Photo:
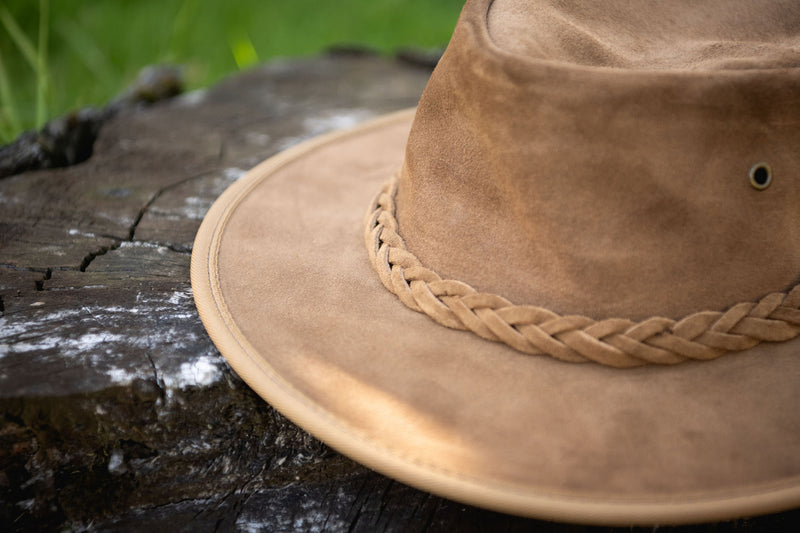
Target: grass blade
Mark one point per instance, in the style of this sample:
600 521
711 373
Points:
86 49
8 108
244 53
42 77
18 37
181 29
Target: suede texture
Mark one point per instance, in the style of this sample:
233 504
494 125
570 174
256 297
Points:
548 177
301 315
575 172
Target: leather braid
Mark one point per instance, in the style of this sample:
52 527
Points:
615 342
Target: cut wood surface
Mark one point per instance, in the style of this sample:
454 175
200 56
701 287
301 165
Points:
116 410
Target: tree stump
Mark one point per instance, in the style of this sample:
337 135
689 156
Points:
116 410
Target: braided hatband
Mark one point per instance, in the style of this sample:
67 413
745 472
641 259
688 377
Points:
615 342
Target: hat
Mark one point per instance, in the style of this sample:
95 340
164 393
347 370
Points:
589 230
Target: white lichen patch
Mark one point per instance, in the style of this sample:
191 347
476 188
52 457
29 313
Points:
116 463
201 372
122 376
46 343
179 296
8 330
144 244
194 208
233 173
257 138
313 516
89 341
26 329
336 119
191 98
252 526
76 232
156 337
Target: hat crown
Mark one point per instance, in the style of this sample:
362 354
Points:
676 35
563 157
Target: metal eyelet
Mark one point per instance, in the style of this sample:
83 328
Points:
760 176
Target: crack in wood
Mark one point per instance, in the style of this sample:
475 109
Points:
132 230
245 500
223 523
358 504
40 282
382 500
92 255
159 382
68 140
156 196
142 211
18 268
329 494
116 240
429 521
87 260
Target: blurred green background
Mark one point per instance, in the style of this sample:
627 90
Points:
59 55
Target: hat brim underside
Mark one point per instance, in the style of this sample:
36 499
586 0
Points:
285 288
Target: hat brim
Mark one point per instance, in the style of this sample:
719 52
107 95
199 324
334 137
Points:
284 286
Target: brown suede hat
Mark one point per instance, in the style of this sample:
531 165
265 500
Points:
591 243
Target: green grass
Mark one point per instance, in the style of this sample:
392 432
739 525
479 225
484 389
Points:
59 55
